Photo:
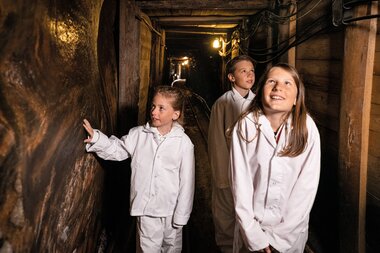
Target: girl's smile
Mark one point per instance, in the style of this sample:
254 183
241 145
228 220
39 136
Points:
279 93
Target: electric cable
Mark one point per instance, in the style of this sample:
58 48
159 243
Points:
267 16
349 20
317 22
350 4
281 51
270 18
148 24
290 46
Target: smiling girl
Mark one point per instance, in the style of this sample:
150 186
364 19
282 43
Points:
162 178
275 165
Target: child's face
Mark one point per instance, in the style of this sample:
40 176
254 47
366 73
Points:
243 76
279 92
162 113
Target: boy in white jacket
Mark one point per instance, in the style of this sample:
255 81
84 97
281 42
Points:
162 178
224 113
275 165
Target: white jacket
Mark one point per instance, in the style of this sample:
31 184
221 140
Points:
163 174
224 113
273 194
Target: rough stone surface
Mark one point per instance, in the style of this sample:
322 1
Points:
57 66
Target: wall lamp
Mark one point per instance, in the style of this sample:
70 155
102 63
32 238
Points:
216 43
220 43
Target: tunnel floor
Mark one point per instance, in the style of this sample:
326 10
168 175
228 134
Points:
199 233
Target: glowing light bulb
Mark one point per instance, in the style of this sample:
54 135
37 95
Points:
216 43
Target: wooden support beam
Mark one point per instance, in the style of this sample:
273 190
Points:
285 32
358 64
292 51
201 4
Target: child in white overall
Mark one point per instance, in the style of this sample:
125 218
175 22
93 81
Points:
224 113
162 178
275 165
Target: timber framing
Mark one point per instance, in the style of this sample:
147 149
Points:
358 66
201 4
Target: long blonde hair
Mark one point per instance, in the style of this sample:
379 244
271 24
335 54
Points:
298 134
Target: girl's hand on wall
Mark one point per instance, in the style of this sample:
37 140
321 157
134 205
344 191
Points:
89 130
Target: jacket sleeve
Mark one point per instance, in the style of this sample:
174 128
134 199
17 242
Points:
109 148
186 189
217 146
243 189
296 215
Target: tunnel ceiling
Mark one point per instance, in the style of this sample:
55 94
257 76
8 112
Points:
200 16
192 23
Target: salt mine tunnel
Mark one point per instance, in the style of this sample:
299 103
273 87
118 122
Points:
63 61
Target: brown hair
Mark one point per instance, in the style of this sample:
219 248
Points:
298 135
175 94
231 64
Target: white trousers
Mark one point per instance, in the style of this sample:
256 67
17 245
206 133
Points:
156 235
223 213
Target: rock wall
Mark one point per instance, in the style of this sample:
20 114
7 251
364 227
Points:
57 66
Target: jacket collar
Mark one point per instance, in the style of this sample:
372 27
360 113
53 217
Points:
177 129
263 124
236 95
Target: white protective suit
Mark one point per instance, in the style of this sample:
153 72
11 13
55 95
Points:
163 172
273 194
224 113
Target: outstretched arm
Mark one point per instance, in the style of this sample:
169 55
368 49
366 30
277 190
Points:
107 148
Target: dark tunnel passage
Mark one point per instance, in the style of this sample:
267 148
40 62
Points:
62 62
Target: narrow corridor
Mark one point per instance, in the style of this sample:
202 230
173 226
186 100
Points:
62 61
199 233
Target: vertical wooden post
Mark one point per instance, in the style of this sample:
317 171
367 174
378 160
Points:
285 31
235 48
162 57
292 51
145 47
269 44
154 58
129 55
354 128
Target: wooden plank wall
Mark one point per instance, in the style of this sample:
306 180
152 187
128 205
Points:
135 54
129 56
144 72
319 61
373 181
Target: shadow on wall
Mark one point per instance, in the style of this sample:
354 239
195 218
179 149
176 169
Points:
120 226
